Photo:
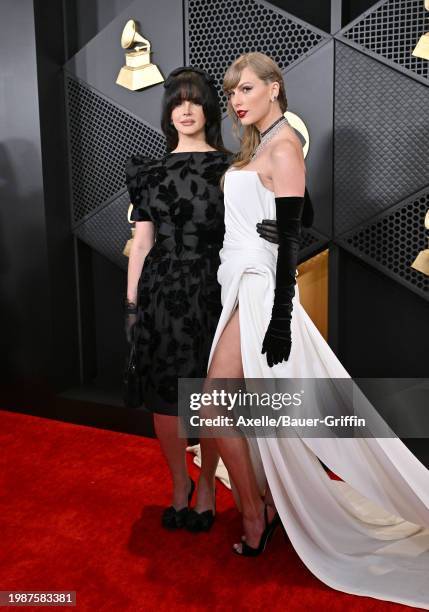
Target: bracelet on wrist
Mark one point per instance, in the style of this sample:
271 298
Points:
130 306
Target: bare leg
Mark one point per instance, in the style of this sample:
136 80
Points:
268 499
174 450
206 481
227 363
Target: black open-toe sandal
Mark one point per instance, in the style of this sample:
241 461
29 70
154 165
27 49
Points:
176 519
249 551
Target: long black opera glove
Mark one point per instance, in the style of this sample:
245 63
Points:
267 229
277 342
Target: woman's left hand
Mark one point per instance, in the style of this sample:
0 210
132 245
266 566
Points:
268 230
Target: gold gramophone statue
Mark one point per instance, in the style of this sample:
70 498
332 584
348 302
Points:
422 47
138 72
421 262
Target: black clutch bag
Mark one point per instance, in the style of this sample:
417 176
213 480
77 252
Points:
132 384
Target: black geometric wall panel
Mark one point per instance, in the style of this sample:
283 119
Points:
306 81
376 110
311 243
108 230
98 63
101 137
392 30
218 31
392 241
381 146
310 94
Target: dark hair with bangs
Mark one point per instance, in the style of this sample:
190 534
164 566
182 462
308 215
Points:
192 85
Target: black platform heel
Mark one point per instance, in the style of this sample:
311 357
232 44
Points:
197 522
176 519
249 551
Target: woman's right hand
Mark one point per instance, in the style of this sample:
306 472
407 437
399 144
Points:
130 317
267 230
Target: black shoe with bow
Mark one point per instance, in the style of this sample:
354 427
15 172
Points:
199 521
176 519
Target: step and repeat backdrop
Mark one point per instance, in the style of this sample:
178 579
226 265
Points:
361 94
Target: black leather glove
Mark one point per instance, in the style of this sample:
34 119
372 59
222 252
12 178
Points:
267 229
277 342
130 317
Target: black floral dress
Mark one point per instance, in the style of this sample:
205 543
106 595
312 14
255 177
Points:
178 300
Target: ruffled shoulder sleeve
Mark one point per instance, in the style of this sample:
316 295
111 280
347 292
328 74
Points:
136 175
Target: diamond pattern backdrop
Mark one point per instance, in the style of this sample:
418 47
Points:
101 137
392 240
381 146
381 162
391 30
221 30
108 230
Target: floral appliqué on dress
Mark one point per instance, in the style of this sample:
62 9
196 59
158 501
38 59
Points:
179 301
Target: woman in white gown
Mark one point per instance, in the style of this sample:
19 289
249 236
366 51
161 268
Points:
368 535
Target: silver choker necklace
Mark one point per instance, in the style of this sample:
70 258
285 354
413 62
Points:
269 134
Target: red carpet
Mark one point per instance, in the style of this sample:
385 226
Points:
80 510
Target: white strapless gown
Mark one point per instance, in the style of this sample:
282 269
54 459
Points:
368 535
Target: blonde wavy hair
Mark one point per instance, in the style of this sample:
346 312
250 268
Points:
267 70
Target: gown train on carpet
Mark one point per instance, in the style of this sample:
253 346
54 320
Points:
367 535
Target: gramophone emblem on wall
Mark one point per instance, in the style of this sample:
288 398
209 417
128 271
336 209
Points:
421 262
138 71
422 47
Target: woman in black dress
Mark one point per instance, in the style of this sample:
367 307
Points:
173 297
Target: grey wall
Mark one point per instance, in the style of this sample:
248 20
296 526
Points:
85 19
26 314
38 322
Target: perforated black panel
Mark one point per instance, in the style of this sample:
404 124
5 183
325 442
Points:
394 240
311 242
381 149
308 239
392 31
221 30
381 122
102 136
108 230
